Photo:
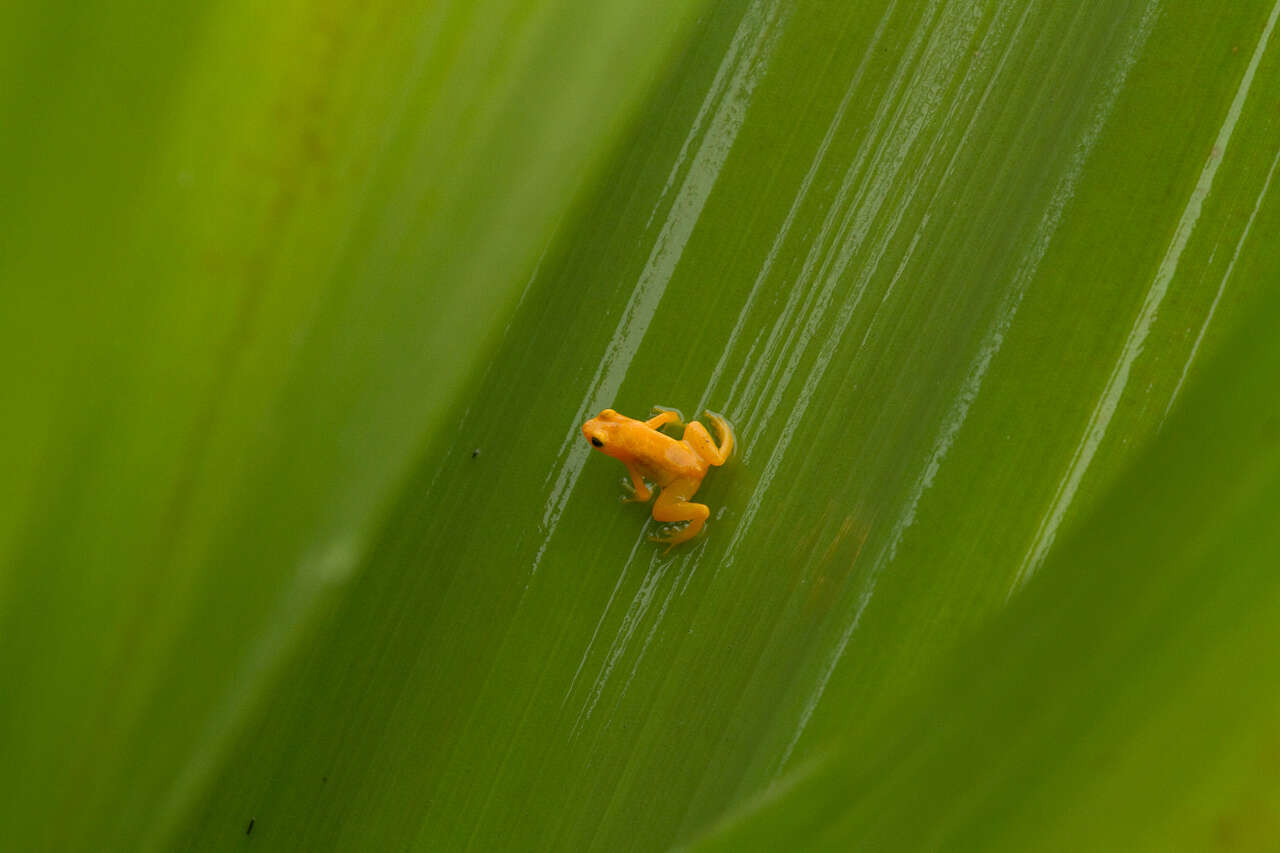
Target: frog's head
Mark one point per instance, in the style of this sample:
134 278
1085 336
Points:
602 430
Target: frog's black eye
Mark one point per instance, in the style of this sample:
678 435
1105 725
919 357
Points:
597 442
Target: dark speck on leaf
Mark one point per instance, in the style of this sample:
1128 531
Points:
249 828
1271 429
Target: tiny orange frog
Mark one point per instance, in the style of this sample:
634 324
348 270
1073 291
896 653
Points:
677 467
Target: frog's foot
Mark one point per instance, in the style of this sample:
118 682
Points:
673 505
663 416
671 535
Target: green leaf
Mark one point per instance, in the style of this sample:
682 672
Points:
1126 700
251 256
303 537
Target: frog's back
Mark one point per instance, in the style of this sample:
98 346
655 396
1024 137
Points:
663 459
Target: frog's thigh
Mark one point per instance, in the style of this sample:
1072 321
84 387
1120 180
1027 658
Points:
700 440
673 504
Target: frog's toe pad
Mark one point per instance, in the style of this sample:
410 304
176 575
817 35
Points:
673 534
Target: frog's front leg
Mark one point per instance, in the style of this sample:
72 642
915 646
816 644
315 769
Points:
673 504
640 489
665 416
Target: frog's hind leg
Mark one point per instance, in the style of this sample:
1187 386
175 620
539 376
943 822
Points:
673 504
700 440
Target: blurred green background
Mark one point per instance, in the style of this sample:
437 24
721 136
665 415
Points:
304 307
